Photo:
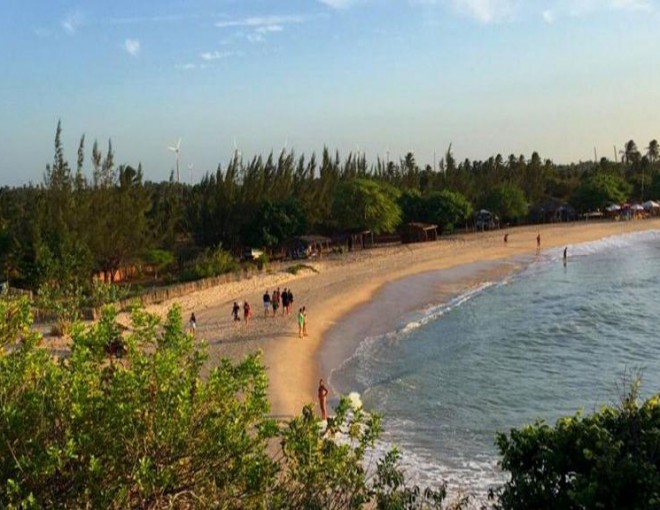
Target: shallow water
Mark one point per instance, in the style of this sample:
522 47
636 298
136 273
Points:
545 342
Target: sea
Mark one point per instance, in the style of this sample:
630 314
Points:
449 358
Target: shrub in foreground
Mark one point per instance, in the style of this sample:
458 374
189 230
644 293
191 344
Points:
609 460
147 431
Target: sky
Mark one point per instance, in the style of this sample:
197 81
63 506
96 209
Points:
561 77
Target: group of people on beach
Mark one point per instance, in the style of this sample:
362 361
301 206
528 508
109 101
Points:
285 298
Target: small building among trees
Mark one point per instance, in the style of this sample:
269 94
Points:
419 232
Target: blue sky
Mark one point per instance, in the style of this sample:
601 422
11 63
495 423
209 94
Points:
511 76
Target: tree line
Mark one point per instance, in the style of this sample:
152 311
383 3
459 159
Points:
101 216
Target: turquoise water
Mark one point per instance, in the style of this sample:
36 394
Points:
547 341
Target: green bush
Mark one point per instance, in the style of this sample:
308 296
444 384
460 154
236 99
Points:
295 269
262 261
148 432
212 262
610 459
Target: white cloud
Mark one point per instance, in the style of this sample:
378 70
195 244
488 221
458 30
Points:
580 8
337 4
72 22
216 55
270 28
260 21
255 38
486 11
132 47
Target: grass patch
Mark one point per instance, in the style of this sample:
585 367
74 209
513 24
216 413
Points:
300 267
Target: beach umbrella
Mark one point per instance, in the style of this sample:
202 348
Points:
613 208
636 207
650 204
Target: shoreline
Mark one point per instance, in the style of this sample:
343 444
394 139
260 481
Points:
342 285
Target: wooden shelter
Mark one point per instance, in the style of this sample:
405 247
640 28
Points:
419 233
302 247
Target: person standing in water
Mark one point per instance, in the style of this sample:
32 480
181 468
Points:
565 254
323 394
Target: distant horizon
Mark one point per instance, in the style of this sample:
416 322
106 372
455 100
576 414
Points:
70 154
558 77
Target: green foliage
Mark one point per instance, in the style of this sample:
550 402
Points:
159 260
146 432
605 460
296 268
446 209
212 262
508 202
105 294
275 222
64 301
366 204
598 190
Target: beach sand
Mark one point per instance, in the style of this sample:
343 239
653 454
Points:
338 285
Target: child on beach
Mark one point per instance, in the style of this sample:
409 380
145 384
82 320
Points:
235 311
247 312
193 324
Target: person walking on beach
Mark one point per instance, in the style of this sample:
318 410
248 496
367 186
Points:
235 311
285 302
247 312
304 312
266 299
290 294
193 324
506 238
275 302
323 394
538 241
301 322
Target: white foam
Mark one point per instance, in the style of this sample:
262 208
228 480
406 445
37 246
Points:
615 242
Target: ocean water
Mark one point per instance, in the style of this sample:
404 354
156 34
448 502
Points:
545 341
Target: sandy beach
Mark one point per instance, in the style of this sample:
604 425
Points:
338 285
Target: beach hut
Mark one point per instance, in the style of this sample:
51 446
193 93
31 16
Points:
652 207
419 232
356 239
485 220
302 247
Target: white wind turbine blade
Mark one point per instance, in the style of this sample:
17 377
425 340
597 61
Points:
178 145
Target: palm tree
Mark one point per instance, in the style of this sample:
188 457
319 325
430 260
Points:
630 153
653 151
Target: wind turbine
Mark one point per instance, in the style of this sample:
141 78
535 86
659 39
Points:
237 153
176 150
